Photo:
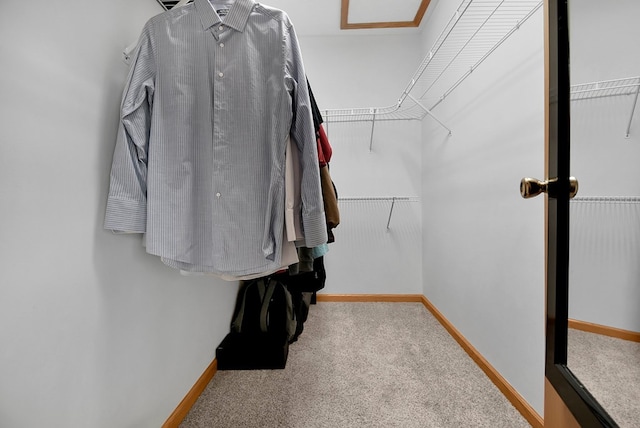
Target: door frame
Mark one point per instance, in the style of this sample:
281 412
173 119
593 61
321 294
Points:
570 393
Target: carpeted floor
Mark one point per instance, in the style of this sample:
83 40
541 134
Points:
361 365
610 369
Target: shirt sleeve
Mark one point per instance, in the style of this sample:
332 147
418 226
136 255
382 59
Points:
303 133
127 201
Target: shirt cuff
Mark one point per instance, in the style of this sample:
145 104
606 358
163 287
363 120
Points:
126 215
315 229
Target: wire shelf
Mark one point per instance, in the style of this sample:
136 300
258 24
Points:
474 31
605 88
607 199
609 88
380 198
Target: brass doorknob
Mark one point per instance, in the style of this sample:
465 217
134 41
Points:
531 187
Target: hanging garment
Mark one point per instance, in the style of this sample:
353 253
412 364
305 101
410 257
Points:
324 148
289 257
330 197
199 159
315 110
329 192
305 281
293 198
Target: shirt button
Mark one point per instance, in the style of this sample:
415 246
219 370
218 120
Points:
220 28
221 74
221 45
218 195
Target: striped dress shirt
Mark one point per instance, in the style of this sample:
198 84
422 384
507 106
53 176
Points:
199 161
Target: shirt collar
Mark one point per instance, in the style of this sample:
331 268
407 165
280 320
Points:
236 18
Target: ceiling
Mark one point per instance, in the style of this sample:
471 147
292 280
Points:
350 17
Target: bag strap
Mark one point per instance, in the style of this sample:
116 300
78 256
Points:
236 325
264 311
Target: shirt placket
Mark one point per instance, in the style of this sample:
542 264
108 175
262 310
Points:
220 132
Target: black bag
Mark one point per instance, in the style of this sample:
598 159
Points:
301 303
256 352
264 305
303 287
262 326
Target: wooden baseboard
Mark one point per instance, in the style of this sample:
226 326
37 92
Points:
189 400
369 297
618 333
509 392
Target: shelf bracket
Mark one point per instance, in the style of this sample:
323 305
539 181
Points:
428 112
326 128
633 109
373 123
393 202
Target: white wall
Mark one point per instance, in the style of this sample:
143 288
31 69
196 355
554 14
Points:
604 272
370 71
483 245
94 332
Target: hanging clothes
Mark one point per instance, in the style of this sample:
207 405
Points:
329 192
200 154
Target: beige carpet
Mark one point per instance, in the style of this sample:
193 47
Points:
610 369
361 365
